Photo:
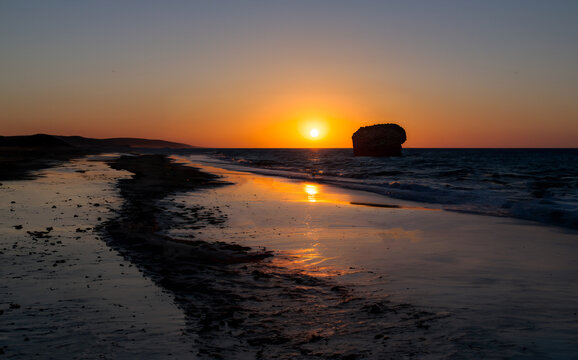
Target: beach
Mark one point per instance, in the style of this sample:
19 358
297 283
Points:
178 263
289 180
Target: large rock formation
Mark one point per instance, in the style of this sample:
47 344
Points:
378 140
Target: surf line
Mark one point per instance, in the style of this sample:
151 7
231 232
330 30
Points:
392 206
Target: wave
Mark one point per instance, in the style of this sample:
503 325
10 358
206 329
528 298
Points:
537 185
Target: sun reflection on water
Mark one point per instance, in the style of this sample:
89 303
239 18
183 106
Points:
311 190
307 261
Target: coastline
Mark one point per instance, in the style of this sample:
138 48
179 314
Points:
497 277
246 289
76 282
238 304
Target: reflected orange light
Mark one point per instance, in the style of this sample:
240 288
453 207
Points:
311 190
308 261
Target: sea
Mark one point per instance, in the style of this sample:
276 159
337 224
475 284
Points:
540 185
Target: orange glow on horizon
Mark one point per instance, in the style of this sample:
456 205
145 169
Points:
289 124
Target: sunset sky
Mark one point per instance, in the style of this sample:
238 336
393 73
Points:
463 73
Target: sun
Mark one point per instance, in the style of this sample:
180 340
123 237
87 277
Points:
313 129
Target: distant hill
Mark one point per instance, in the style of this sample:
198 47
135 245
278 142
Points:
21 156
33 141
79 142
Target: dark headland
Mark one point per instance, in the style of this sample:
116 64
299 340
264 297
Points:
21 155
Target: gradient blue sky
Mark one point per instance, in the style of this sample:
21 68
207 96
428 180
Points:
260 73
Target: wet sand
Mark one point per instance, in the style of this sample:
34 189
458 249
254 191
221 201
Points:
110 265
64 294
503 281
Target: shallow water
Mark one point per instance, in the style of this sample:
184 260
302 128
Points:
502 280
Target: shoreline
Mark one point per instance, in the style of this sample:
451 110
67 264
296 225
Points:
498 273
228 291
155 177
479 185
244 287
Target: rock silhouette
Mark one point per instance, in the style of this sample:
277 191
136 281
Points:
378 140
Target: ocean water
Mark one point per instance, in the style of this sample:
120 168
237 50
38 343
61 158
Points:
532 184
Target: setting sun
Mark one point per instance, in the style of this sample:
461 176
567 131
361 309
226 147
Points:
314 128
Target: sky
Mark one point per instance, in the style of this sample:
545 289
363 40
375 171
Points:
217 73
